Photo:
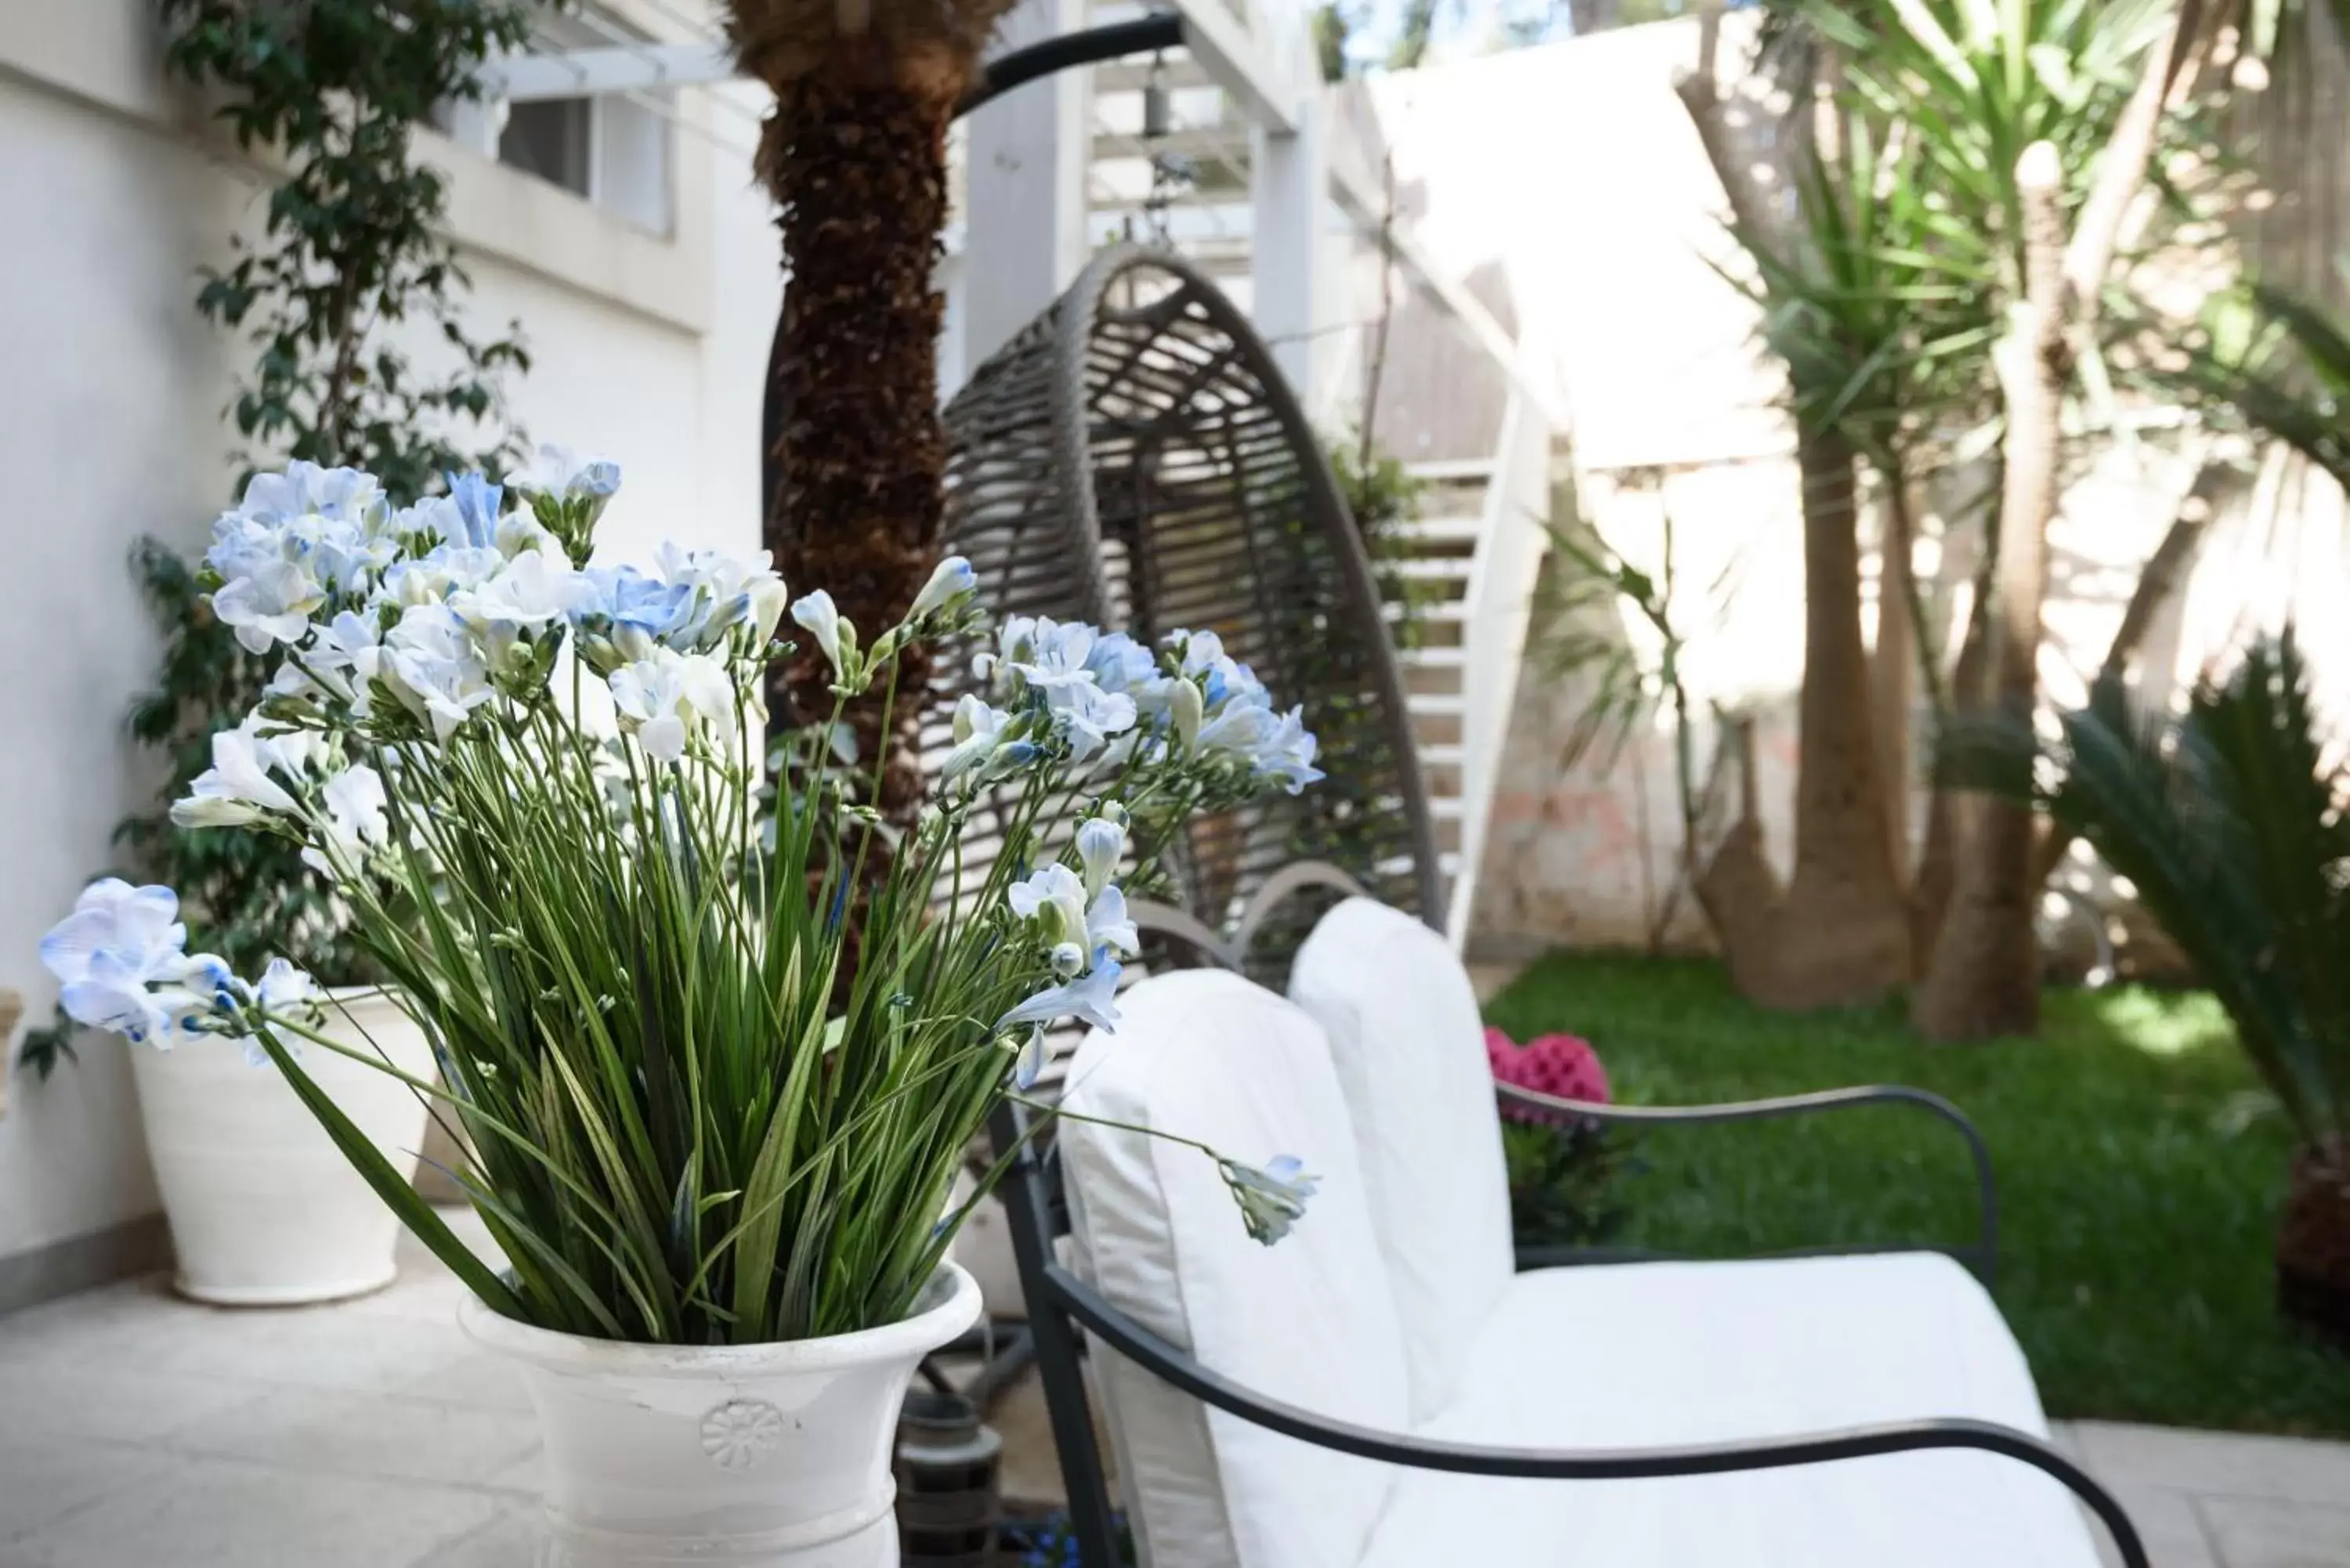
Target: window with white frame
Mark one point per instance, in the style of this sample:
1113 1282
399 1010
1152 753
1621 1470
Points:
612 149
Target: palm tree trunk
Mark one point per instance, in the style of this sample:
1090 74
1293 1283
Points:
856 160
1984 976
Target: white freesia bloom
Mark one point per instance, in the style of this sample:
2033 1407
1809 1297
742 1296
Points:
433 667
951 581
1239 730
1287 754
667 699
719 594
355 823
119 964
560 472
981 743
1109 928
344 657
269 604
1272 1196
529 592
342 494
1186 709
1090 1000
1055 896
1087 716
823 621
1100 844
237 789
444 572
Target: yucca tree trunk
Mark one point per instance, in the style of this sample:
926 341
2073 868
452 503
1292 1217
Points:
1841 930
855 157
1984 976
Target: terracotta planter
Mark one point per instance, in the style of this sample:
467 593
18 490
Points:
755 1456
265 1210
2313 1242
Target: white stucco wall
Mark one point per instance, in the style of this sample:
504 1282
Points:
649 348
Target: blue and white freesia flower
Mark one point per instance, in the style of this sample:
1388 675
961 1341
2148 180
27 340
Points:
1101 843
952 584
237 789
666 699
563 473
354 823
1272 1196
987 744
652 968
122 965
836 637
436 667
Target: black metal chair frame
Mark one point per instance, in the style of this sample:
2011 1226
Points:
1060 1304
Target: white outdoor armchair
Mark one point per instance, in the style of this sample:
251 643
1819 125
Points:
1383 1389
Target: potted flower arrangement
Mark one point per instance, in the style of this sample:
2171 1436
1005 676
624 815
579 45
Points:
263 1208
715 1120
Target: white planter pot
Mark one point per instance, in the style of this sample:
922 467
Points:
754 1456
265 1210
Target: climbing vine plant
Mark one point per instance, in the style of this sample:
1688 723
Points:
349 299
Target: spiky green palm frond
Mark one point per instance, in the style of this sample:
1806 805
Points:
2228 821
2281 366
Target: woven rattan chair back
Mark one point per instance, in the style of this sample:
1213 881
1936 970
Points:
1135 459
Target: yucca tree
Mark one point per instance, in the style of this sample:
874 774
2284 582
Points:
854 154
2028 116
1870 336
2230 820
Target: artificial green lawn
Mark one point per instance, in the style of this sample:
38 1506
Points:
2139 1172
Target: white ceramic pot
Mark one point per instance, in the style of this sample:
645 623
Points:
751 1455
265 1210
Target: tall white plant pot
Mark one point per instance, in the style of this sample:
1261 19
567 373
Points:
754 1456
265 1210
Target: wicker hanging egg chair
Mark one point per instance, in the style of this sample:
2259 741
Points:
1134 459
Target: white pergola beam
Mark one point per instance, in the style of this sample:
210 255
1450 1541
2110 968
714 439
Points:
1242 64
582 73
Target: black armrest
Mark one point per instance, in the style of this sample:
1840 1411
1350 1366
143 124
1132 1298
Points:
1161 1359
1983 1255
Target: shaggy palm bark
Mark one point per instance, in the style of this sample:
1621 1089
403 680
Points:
856 160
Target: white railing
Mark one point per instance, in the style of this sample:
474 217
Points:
1499 601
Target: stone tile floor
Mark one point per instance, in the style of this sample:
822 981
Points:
138 1430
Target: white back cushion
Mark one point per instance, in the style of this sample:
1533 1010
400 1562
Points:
1309 1320
1408 1042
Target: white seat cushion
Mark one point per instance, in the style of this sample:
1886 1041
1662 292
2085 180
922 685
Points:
1309 1321
1409 1042
1649 1355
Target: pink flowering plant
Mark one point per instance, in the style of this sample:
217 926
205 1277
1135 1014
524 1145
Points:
1564 1169
699 1113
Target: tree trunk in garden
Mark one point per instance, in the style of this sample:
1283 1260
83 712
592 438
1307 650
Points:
1892 666
856 160
1984 977
1937 857
2158 580
2313 1255
1841 930
1838 932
